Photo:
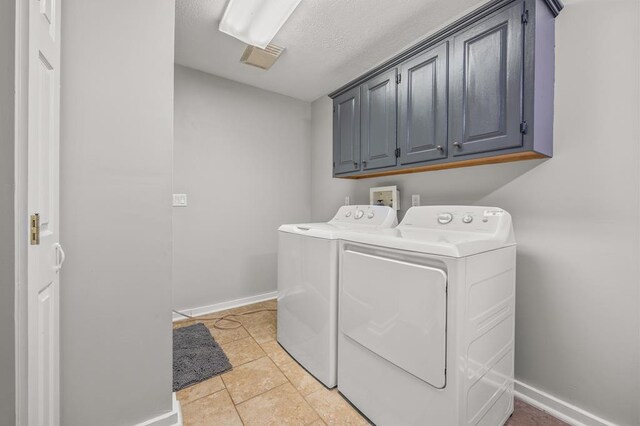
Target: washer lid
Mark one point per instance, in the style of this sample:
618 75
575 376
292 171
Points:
319 230
347 218
454 231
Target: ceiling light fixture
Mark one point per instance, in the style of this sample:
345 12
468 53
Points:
256 22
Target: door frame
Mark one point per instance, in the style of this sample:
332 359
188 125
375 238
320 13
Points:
21 134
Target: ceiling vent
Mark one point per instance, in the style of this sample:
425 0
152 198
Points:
261 58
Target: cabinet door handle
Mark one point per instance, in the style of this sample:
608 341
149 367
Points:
439 148
457 145
364 164
355 164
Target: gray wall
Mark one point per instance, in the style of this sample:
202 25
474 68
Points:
116 161
7 258
242 157
576 216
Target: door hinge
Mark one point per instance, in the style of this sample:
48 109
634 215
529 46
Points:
524 127
397 152
525 17
35 229
334 164
398 78
334 108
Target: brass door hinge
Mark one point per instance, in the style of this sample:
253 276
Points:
35 229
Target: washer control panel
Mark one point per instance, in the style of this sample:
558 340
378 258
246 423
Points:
380 216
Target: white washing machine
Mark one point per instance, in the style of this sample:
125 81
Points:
308 285
426 326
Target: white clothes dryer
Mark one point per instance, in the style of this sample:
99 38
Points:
426 321
308 286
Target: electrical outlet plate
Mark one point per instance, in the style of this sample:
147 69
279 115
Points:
415 200
179 200
347 200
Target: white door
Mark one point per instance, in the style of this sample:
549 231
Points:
45 256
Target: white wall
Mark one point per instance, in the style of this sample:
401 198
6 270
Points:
116 161
7 187
242 155
576 215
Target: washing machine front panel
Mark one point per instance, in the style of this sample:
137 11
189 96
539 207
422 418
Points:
307 302
397 310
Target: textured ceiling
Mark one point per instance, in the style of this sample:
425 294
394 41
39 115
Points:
328 42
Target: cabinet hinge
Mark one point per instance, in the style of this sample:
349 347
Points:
524 127
525 17
398 78
397 152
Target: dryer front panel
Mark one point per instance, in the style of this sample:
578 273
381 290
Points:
397 310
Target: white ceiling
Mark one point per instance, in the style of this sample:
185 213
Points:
328 42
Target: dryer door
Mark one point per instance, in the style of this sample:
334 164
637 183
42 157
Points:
397 310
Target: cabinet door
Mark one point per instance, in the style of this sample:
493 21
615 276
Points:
487 84
379 97
346 132
422 134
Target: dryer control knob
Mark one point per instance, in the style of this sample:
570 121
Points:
467 219
359 214
371 215
444 218
347 214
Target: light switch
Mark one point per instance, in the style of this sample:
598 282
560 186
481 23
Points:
347 200
415 200
179 200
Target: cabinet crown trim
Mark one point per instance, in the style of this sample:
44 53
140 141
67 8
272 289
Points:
555 6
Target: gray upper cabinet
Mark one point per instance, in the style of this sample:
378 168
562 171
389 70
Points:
379 101
346 132
422 127
478 91
487 84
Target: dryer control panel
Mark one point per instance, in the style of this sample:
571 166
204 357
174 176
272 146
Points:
458 218
365 215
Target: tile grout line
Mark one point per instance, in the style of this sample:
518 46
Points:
304 398
224 387
281 372
235 407
265 356
263 392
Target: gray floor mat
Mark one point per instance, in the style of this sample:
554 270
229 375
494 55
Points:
196 356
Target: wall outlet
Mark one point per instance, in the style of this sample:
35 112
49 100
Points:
347 200
415 200
179 200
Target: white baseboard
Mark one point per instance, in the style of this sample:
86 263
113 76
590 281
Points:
172 418
217 307
558 408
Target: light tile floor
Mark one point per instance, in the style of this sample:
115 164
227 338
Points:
268 387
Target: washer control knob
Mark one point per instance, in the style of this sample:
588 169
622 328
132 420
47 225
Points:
444 218
371 215
348 214
467 219
359 214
